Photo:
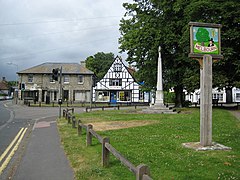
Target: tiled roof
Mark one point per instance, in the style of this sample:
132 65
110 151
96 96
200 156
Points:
131 71
3 85
67 68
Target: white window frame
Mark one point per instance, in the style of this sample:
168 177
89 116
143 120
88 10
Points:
117 67
51 80
30 78
66 79
80 79
115 82
237 96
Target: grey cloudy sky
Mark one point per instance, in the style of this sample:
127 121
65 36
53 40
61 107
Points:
33 32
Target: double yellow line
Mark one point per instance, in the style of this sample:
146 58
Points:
13 146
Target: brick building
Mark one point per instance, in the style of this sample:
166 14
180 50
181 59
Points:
37 84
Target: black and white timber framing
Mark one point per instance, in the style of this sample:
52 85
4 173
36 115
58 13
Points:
118 85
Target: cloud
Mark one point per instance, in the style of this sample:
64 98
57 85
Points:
34 32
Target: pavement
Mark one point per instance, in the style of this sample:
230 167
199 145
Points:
44 157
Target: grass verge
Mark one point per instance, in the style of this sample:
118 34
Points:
157 145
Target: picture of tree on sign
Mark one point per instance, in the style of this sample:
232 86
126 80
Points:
206 40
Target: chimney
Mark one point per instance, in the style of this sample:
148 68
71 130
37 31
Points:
83 63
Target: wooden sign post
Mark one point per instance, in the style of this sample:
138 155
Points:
205 46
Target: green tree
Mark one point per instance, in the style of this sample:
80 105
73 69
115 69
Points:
100 63
151 23
202 35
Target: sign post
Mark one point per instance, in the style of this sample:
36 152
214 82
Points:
205 44
206 101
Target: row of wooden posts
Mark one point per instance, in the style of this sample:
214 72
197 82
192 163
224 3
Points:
141 171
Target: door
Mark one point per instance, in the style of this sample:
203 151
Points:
65 95
113 97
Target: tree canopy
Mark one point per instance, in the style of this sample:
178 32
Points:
151 23
100 63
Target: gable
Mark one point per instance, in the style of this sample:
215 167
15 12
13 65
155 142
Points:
118 70
117 77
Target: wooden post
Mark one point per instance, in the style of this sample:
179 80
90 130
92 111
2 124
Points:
105 152
142 170
69 118
64 113
89 135
73 122
79 128
206 101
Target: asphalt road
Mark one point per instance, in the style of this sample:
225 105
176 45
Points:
12 119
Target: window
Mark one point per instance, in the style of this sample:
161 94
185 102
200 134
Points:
30 78
141 95
66 78
80 79
51 79
115 82
117 67
218 96
238 96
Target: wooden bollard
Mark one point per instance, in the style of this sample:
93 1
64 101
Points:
89 135
69 118
142 170
105 152
79 127
73 122
64 112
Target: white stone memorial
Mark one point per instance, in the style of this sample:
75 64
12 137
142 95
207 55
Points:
158 106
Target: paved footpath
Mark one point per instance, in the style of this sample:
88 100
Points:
236 114
44 157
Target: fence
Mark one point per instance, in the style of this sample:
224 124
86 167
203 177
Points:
141 172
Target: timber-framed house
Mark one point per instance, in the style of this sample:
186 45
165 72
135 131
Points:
118 85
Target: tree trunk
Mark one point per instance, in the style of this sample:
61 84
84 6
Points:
178 96
229 95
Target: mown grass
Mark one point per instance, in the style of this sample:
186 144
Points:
158 145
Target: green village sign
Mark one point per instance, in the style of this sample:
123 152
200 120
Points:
205 39
205 45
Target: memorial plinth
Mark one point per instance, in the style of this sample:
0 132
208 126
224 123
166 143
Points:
158 107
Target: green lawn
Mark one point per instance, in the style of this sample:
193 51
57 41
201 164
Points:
158 145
